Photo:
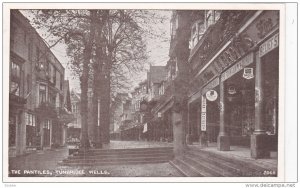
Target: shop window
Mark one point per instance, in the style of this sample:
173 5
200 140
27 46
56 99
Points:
42 94
30 129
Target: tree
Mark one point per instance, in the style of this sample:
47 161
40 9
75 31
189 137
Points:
106 47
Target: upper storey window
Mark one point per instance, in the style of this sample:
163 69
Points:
200 26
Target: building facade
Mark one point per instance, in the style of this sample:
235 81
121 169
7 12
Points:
233 95
36 90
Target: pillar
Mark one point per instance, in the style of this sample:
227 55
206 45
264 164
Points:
223 138
42 133
51 132
20 133
178 136
188 134
258 138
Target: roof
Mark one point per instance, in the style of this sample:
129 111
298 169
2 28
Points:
157 74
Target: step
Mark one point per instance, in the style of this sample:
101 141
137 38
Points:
128 149
212 169
127 152
240 161
125 159
117 155
184 169
243 167
233 169
112 163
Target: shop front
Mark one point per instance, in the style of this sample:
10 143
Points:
239 100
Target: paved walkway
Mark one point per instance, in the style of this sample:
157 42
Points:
240 153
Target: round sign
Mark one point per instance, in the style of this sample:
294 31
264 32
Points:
211 95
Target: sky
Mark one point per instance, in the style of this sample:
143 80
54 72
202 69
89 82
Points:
158 50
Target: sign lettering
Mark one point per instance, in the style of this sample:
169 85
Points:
269 45
247 60
203 114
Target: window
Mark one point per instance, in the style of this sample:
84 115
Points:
15 70
42 94
198 29
15 78
15 88
30 119
47 124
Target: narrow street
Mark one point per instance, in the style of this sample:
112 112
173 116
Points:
45 164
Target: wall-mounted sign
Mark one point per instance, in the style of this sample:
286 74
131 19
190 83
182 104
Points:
248 73
269 45
203 114
231 90
211 95
247 60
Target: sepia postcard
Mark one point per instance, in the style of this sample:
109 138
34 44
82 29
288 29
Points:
143 92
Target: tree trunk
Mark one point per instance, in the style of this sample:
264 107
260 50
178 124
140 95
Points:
84 83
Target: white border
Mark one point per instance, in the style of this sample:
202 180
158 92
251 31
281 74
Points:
231 6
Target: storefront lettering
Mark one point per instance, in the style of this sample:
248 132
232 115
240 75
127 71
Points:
203 106
203 113
247 60
240 46
203 121
264 26
269 45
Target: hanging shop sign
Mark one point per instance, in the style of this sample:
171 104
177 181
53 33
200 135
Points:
248 73
247 60
211 95
203 114
269 45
